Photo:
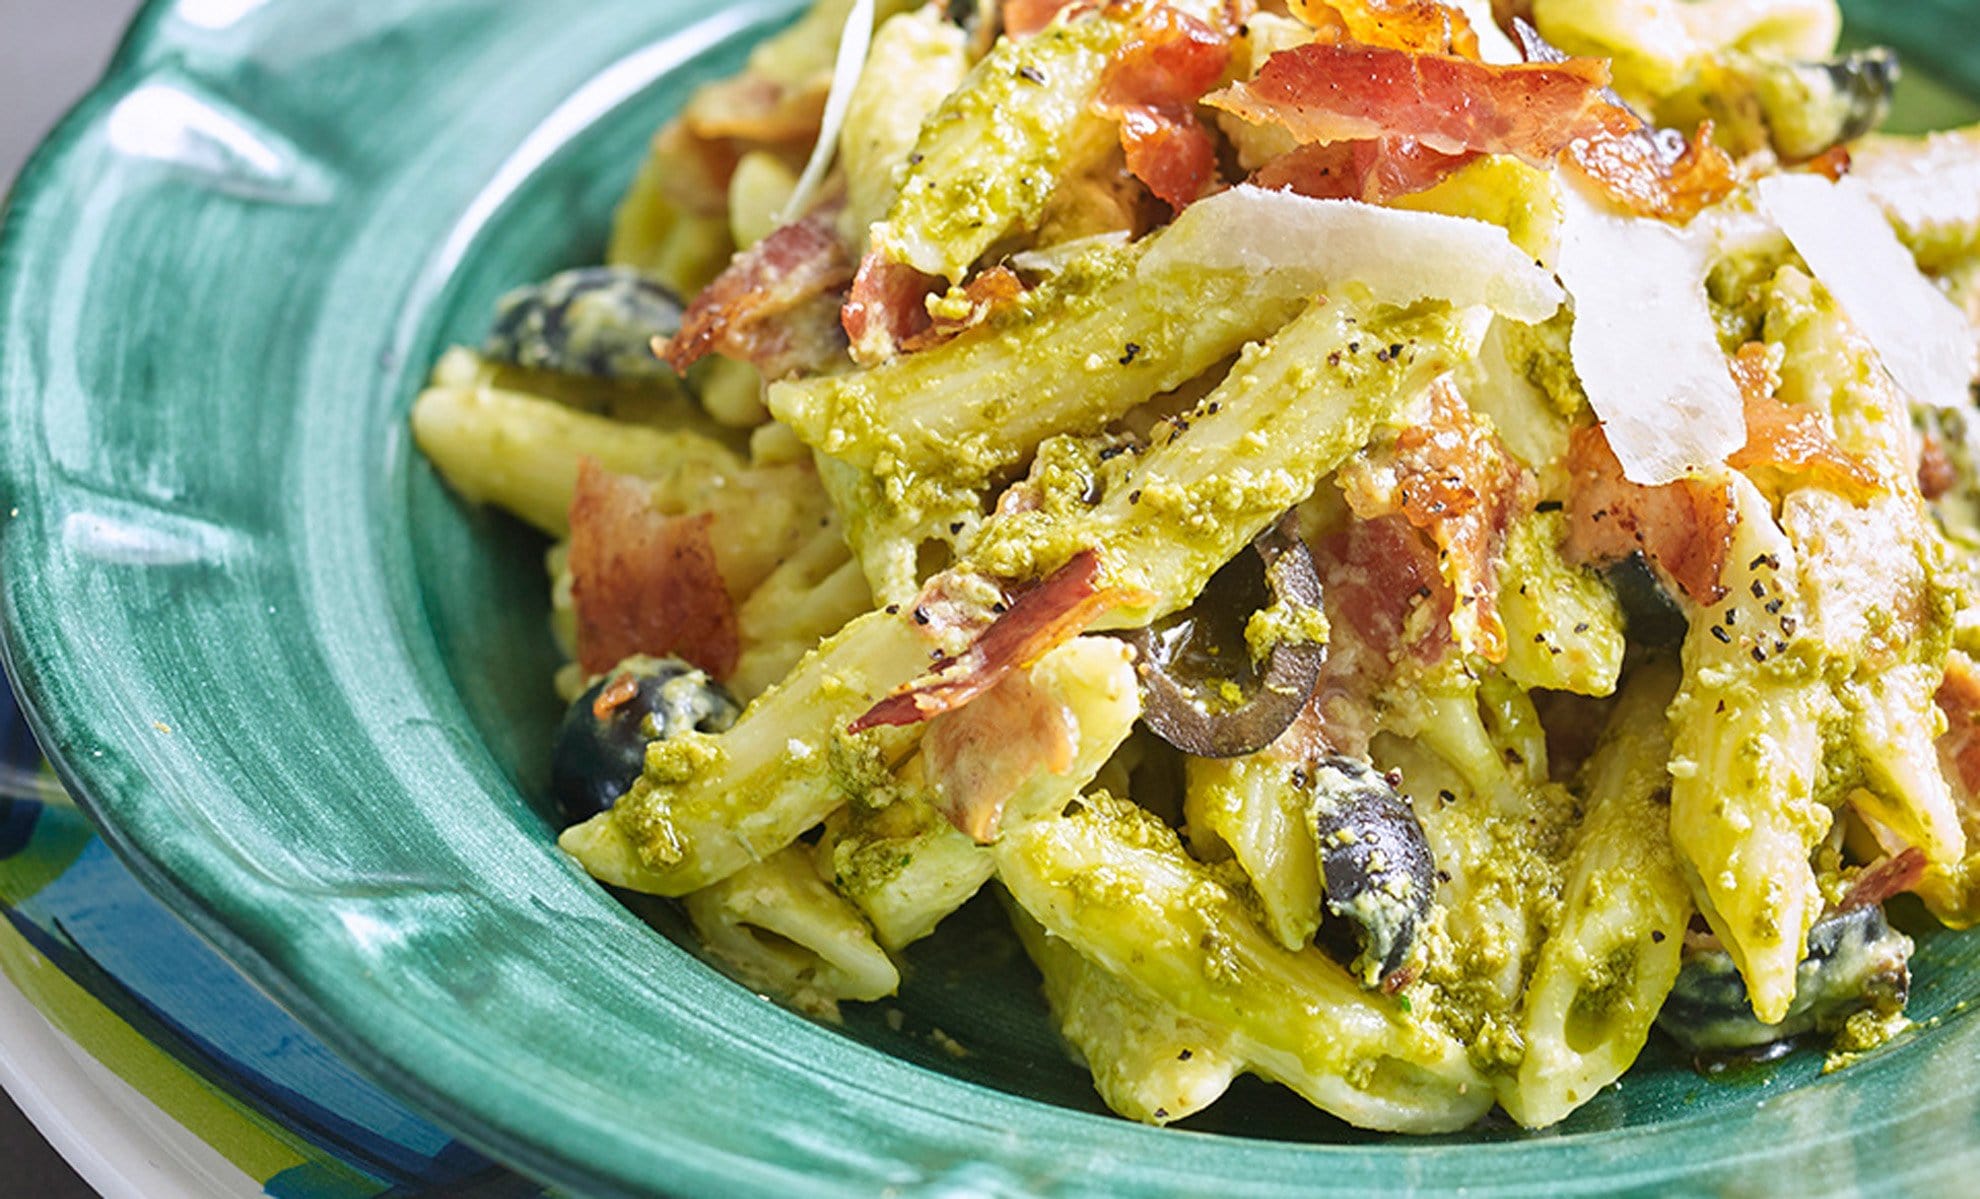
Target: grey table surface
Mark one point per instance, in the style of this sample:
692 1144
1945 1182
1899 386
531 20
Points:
50 51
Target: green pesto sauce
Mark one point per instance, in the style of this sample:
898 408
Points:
875 843
1539 354
1511 864
1284 622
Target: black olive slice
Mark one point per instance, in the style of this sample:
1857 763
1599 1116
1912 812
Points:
1650 616
1376 867
1201 691
598 321
1856 962
1861 84
601 744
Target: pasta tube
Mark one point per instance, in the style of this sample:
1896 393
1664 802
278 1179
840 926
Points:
1149 1062
1245 806
1748 743
778 928
1601 977
521 453
1114 883
1077 351
988 158
917 59
905 864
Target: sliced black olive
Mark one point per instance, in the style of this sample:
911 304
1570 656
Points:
597 320
1201 691
1856 963
1376 867
1650 616
601 742
1810 107
1864 82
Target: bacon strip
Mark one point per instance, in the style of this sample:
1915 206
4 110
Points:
982 753
1650 172
1325 93
1043 617
1889 877
1788 446
1375 576
749 311
1451 478
1420 26
644 582
886 307
1374 172
1151 87
1685 528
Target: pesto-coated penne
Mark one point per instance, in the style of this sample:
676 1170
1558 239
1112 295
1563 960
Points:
1247 807
989 156
904 863
1075 352
811 594
1471 761
780 929
1149 1062
1114 883
1748 745
709 804
1564 628
1602 975
1288 414
918 58
901 863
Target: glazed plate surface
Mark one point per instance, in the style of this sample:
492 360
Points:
304 691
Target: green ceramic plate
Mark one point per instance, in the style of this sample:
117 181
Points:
304 690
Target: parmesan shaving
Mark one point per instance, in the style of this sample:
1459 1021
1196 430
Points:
1644 343
1295 244
1924 341
1928 189
854 41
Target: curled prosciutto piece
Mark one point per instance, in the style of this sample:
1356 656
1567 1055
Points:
1374 171
1039 618
1683 529
1449 104
1152 87
644 582
758 310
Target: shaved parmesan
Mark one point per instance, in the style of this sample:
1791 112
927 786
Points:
1924 341
1296 244
854 41
1929 188
1644 343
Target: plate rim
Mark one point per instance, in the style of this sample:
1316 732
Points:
210 922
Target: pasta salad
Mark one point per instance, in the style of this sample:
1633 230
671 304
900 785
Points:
1410 544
